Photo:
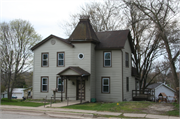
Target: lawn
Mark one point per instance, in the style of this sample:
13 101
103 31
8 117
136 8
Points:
17 102
174 112
113 107
126 107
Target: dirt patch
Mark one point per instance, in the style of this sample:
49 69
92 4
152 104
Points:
159 108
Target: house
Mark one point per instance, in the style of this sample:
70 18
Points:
17 92
88 65
163 90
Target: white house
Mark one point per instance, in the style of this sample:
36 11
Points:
88 65
162 88
17 92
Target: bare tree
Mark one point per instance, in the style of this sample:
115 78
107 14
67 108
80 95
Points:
104 16
16 38
163 13
145 40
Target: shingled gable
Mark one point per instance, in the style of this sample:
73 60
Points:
50 37
113 39
83 32
78 70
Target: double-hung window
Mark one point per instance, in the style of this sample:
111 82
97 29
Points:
107 59
127 59
44 84
45 57
60 85
105 85
60 59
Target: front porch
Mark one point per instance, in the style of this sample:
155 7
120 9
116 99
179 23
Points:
76 84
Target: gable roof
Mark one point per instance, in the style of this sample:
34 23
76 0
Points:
83 32
78 70
50 37
153 86
157 85
113 39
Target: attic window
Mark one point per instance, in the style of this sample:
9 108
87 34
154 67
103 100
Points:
80 55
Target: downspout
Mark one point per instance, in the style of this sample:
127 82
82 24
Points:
122 77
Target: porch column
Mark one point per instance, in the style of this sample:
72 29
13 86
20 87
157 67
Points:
81 89
62 78
66 89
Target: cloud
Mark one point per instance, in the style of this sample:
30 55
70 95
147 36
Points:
44 15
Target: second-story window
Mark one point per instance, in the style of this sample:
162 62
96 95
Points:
60 59
45 62
127 59
107 59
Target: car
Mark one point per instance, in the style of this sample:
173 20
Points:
14 97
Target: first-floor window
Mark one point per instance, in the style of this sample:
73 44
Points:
44 84
127 84
105 85
60 85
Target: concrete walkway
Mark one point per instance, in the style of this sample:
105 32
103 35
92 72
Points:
74 113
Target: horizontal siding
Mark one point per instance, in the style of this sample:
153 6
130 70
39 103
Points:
71 59
115 74
127 73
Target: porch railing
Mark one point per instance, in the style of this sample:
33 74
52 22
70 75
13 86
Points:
60 98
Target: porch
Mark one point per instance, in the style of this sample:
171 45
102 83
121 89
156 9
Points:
76 85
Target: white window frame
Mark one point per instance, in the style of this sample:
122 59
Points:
107 59
45 59
44 84
60 59
59 78
105 85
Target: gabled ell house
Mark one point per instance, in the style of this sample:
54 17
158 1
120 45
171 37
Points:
85 66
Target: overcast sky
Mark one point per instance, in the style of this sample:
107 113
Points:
44 15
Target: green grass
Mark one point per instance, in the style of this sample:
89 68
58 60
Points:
113 107
174 112
17 102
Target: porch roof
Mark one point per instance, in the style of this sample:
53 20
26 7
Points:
77 71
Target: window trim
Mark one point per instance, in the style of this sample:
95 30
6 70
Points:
58 59
102 85
42 59
110 59
58 84
42 85
127 84
127 64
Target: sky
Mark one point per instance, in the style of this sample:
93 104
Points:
44 15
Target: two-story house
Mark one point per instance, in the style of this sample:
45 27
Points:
88 64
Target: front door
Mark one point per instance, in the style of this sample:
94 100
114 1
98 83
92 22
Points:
79 90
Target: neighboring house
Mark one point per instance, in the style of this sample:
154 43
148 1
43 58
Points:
164 89
28 92
102 60
4 94
17 92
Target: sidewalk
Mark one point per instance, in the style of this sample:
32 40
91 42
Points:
73 113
